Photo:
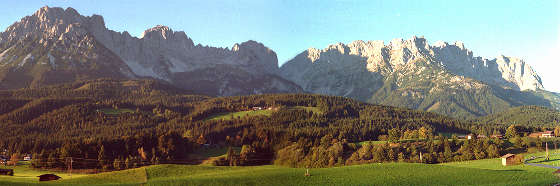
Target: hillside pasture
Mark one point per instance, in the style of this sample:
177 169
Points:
240 114
112 111
309 109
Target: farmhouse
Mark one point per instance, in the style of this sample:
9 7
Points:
472 136
508 159
499 136
545 134
48 177
27 157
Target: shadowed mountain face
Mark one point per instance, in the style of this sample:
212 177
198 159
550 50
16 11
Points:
443 78
57 45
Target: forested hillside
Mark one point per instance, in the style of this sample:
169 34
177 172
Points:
532 116
114 124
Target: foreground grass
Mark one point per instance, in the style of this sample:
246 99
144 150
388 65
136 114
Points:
372 174
478 172
24 175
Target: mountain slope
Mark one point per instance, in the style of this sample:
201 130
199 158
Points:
75 111
533 116
442 78
57 45
43 50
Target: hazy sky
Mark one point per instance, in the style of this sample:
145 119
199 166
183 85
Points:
526 29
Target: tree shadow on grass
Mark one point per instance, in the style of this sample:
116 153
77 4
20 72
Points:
511 170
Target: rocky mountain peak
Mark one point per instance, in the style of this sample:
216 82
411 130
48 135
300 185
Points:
460 45
47 13
66 46
399 53
414 44
96 21
258 54
50 23
157 31
161 33
249 45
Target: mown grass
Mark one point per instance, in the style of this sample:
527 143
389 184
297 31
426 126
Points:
370 174
477 172
249 113
24 175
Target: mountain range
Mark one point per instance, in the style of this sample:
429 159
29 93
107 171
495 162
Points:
444 78
56 45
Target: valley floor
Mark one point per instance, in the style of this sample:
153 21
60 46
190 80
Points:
478 172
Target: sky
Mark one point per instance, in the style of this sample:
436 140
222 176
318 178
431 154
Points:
529 30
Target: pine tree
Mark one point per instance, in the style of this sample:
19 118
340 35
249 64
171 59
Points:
101 156
511 131
493 151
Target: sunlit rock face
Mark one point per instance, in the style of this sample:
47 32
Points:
444 78
381 60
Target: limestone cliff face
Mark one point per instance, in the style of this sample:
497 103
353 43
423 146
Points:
382 60
160 53
54 46
445 78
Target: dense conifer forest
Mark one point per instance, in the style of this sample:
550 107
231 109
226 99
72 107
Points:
112 124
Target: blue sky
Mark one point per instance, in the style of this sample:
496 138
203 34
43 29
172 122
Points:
526 29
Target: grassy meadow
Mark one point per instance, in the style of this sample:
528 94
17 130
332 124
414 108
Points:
249 113
112 111
230 115
477 172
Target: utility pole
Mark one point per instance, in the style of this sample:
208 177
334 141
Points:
546 144
69 162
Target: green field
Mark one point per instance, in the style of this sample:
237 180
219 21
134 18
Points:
478 172
230 115
312 109
266 112
112 111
